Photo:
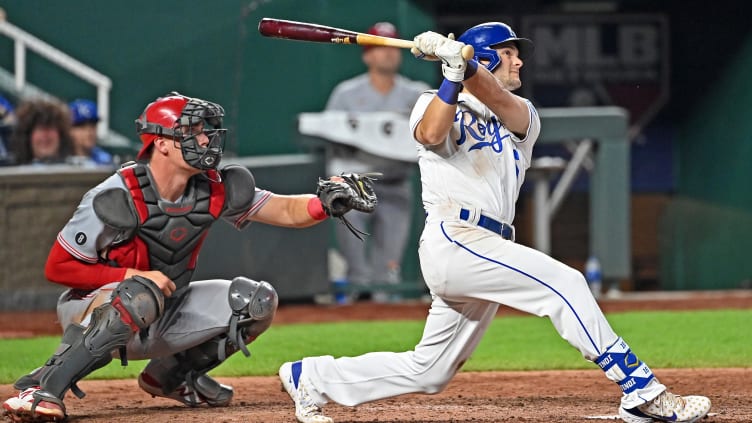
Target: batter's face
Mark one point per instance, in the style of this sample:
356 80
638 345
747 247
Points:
385 60
508 71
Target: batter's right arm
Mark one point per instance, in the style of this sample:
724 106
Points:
437 121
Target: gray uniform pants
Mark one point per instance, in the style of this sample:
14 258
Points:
185 322
369 261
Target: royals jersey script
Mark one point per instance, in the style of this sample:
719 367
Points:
481 164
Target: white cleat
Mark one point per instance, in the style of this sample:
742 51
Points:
306 410
668 407
27 407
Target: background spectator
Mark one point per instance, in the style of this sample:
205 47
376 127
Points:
380 89
7 121
42 133
83 133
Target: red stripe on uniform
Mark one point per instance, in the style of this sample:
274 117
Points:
73 251
217 199
131 181
194 254
257 205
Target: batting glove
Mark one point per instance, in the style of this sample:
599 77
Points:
426 44
453 65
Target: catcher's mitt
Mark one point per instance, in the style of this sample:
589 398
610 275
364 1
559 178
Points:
348 191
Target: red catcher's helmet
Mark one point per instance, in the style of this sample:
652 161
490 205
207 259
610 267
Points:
383 29
173 117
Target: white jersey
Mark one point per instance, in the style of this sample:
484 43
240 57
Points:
480 165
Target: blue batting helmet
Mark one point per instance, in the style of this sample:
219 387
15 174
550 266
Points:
486 35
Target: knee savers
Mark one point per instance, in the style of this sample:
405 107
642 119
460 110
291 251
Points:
136 303
253 306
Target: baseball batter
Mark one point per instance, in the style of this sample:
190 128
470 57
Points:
475 143
128 256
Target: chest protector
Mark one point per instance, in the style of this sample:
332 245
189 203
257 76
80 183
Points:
168 236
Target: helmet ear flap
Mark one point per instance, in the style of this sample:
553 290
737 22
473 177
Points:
489 55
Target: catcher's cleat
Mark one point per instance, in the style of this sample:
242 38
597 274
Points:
34 405
202 390
306 410
668 407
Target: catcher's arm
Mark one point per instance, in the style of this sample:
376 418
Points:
289 211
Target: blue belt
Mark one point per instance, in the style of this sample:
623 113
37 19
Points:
506 231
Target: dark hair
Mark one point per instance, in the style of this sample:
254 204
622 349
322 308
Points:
34 113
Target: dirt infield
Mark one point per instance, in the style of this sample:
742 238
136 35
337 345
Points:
553 396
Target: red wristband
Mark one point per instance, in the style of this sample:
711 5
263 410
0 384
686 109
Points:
316 209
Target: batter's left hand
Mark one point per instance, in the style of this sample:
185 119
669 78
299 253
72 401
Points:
453 65
426 44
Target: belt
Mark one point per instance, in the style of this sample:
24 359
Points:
506 231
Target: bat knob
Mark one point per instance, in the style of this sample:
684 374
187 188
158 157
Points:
468 52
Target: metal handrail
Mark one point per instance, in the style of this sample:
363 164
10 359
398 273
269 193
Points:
24 40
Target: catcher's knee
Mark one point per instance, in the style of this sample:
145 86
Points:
139 300
253 307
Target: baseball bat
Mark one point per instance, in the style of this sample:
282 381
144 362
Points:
303 31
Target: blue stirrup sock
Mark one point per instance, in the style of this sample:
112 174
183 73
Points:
296 370
623 367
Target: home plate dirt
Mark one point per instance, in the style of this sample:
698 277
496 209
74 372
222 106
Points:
534 396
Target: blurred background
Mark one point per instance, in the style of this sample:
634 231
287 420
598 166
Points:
678 69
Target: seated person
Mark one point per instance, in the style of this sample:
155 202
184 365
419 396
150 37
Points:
41 135
7 121
83 133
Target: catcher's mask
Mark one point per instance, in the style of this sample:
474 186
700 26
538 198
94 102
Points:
485 36
182 119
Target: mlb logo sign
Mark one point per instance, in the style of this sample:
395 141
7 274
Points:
599 60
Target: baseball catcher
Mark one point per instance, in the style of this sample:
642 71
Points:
128 256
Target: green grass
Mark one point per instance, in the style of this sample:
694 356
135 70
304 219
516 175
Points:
719 338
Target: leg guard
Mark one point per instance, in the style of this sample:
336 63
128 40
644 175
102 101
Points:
623 367
136 303
253 306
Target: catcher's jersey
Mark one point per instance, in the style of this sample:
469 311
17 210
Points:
481 164
85 235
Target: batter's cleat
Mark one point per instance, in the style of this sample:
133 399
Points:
668 407
202 390
306 410
34 405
